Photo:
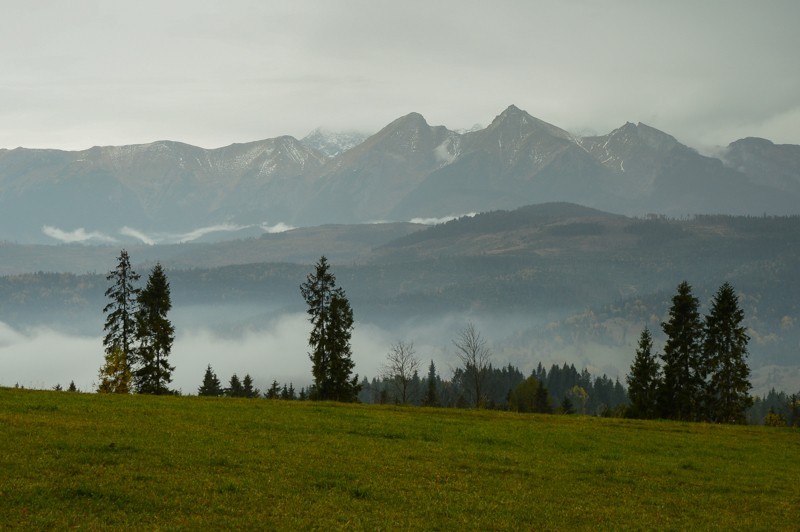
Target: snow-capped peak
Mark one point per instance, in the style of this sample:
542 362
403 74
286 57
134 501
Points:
333 143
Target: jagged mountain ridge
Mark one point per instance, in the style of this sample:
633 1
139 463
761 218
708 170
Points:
407 170
333 143
515 157
776 165
163 185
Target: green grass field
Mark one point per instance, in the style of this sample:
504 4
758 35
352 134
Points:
102 461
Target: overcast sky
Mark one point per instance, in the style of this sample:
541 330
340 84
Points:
82 73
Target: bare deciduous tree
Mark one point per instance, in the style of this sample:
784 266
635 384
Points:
401 366
475 358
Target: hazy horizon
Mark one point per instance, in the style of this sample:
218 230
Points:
85 74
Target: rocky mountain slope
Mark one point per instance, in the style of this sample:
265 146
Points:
407 170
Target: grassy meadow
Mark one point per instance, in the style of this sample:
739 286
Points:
93 461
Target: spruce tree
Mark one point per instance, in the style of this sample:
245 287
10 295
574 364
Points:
211 386
681 394
793 403
725 350
274 391
541 401
566 406
431 396
332 324
120 325
155 335
235 388
247 388
644 379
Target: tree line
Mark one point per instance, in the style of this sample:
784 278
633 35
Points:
702 374
212 387
561 389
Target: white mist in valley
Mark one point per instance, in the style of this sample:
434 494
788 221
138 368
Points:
41 358
237 339
274 347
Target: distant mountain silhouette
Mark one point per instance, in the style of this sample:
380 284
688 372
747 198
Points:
409 169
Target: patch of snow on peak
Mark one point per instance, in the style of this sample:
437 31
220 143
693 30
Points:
292 149
473 129
246 158
447 151
332 143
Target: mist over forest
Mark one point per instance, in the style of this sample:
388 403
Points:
549 284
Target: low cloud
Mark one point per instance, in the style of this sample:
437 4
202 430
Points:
277 352
180 238
41 358
276 348
133 233
79 235
203 231
279 227
444 219
190 236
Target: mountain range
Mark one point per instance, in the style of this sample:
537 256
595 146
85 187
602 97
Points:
407 170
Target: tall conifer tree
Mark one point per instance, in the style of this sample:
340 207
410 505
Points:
235 388
120 326
725 350
248 389
155 335
332 324
682 391
431 395
211 387
644 379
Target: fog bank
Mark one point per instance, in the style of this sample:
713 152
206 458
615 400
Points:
42 358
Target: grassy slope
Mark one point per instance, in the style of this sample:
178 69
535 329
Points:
94 461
